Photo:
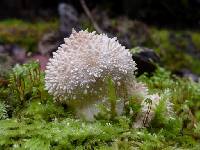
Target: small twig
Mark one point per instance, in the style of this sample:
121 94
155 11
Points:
146 117
87 11
3 82
194 121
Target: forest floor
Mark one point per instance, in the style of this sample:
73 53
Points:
30 119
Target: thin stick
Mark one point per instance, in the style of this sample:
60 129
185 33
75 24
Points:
87 11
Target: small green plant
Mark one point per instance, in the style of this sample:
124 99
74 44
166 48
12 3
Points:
3 111
184 94
26 82
42 123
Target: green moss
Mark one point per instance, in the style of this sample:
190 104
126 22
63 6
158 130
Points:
173 51
183 93
23 33
86 24
30 119
41 123
196 39
3 111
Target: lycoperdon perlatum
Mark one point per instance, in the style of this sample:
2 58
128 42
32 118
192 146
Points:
81 65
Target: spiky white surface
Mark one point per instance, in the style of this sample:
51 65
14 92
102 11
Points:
85 60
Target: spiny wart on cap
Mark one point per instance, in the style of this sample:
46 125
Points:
82 64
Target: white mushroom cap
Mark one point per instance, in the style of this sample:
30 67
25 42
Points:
84 61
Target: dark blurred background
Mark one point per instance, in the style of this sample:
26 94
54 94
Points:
173 13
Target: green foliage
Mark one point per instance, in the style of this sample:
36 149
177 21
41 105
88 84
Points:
32 120
25 85
23 33
25 95
196 38
172 46
76 134
197 129
25 81
3 111
185 95
48 111
67 134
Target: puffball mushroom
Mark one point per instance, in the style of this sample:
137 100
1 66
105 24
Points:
78 72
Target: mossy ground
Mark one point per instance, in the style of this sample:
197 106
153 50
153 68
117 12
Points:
174 53
30 119
25 34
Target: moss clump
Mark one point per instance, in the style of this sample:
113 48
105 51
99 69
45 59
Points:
196 39
3 111
40 123
23 33
173 47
